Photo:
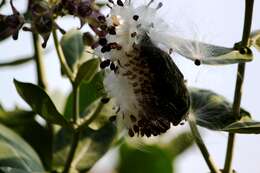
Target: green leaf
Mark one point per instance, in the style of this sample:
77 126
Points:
17 116
206 53
73 47
89 93
212 110
150 159
244 127
16 153
87 71
92 146
255 39
23 123
40 102
179 144
12 170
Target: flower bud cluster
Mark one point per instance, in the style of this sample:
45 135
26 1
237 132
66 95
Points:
41 17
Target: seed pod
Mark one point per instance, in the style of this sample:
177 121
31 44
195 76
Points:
148 87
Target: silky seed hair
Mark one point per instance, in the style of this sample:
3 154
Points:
148 87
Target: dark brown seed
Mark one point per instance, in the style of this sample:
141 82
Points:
133 34
112 118
105 100
112 66
131 133
105 64
112 30
197 62
120 3
135 17
133 118
102 41
111 1
102 18
105 48
136 128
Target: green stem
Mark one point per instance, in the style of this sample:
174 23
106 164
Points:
61 56
75 94
38 56
249 4
76 134
74 144
85 123
209 160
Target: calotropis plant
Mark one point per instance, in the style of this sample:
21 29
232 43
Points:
120 69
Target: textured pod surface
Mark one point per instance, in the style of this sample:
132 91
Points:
148 87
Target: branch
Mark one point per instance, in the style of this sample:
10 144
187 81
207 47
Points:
61 57
209 160
249 4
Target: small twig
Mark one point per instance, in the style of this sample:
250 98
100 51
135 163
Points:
38 56
209 160
76 134
19 61
85 123
75 93
249 4
74 144
61 56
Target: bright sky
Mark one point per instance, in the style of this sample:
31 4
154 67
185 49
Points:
215 21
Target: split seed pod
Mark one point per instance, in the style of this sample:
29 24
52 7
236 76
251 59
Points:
148 87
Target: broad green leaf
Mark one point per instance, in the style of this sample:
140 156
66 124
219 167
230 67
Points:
92 146
38 136
40 102
87 71
16 116
179 144
89 92
100 143
244 127
16 153
73 47
211 110
62 143
204 52
150 159
19 61
12 170
255 39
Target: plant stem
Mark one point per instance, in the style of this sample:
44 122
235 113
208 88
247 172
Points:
61 56
85 123
38 55
209 160
76 134
74 144
75 93
249 4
